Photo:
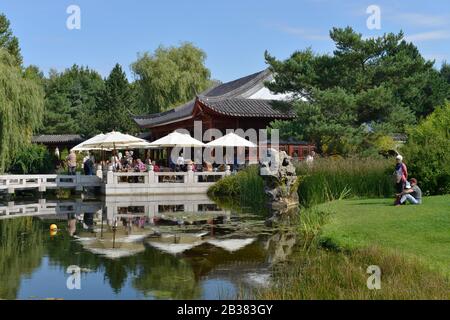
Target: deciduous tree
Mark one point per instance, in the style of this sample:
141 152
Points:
170 76
21 108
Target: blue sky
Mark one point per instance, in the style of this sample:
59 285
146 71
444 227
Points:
234 34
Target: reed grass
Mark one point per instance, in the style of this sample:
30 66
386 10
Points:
331 179
245 189
324 274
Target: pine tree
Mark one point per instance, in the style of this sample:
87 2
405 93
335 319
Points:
71 101
116 104
8 41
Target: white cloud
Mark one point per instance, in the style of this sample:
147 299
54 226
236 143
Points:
304 33
428 36
422 20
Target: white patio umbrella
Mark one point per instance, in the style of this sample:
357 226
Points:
82 146
177 139
114 140
231 140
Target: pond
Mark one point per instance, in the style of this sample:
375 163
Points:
166 247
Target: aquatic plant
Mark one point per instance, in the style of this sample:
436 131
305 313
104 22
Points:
246 189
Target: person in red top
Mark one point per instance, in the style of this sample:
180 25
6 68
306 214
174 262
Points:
156 168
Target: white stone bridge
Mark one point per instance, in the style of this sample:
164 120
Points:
117 183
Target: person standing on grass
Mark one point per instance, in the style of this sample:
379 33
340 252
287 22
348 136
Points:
412 193
401 176
310 158
72 162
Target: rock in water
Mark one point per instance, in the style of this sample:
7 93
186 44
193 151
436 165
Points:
281 186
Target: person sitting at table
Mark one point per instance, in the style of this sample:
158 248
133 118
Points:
190 163
156 168
198 167
140 166
207 166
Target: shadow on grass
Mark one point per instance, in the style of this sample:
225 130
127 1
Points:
380 204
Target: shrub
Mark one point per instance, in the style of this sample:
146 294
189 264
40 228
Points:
32 159
335 178
427 152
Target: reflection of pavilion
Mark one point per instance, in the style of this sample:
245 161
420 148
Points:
47 208
155 205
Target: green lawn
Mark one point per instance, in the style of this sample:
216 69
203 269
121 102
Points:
421 231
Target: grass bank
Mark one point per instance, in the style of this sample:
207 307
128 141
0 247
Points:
410 244
421 232
323 274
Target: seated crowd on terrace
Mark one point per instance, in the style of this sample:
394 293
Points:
129 161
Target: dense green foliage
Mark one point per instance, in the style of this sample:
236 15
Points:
71 101
336 178
32 159
245 188
78 100
116 104
170 76
368 88
445 73
427 152
21 108
8 41
415 230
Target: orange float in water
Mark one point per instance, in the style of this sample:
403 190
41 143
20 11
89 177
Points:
53 227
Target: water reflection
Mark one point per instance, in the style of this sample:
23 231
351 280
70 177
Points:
183 247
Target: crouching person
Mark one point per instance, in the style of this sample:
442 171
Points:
412 193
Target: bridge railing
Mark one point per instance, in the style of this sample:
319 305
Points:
111 180
154 178
47 181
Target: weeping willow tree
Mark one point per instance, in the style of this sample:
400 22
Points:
21 108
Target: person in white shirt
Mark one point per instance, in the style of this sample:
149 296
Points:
310 158
86 157
180 163
180 160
